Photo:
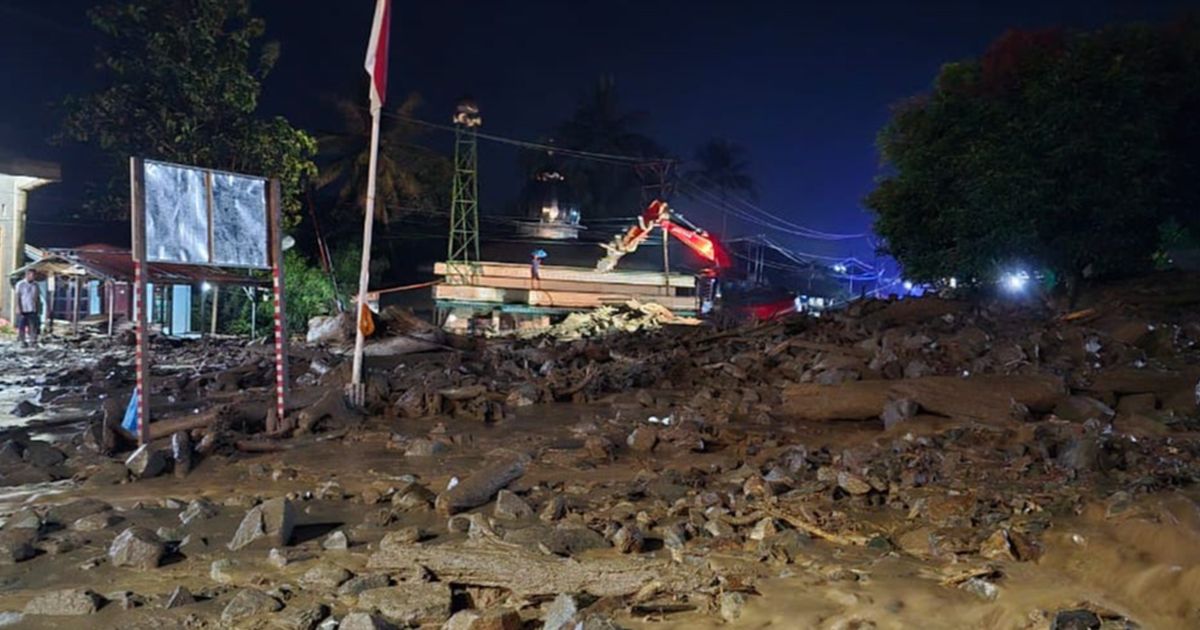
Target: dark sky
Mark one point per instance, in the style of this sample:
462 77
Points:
803 86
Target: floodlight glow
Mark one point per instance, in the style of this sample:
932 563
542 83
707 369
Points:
908 285
1015 282
206 287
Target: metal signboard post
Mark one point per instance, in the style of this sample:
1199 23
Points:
183 215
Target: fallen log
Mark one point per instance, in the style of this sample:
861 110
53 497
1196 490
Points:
988 398
527 574
331 404
480 487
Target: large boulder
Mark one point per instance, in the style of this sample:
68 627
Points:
16 545
268 524
146 462
136 547
409 604
72 601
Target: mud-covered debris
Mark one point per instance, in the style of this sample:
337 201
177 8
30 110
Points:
198 510
560 614
1080 619
16 545
247 603
181 596
484 483
364 621
26 408
181 453
409 604
510 506
95 522
359 583
325 575
66 602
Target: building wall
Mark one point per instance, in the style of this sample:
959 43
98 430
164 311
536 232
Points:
14 191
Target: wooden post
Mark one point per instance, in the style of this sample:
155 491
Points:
666 263
137 184
51 300
75 305
275 231
216 300
109 294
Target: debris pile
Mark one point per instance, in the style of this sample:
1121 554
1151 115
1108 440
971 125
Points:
1011 459
631 317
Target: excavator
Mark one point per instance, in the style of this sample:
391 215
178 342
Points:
658 215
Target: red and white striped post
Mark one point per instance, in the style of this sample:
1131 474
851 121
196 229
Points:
141 356
275 217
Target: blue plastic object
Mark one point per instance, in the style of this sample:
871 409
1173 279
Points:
129 423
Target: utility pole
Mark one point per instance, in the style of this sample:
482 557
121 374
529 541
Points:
462 251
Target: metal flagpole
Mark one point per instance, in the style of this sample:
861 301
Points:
376 67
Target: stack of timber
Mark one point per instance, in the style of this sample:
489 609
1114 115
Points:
496 285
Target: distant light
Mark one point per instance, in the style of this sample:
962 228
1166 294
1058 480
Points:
908 285
1015 282
953 283
839 268
206 287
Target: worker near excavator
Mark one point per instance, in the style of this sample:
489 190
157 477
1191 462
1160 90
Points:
29 306
535 266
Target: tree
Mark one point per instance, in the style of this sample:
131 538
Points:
183 79
600 125
1059 151
720 169
409 177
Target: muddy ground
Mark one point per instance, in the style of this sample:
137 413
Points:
919 464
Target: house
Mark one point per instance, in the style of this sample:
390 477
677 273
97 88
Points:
17 178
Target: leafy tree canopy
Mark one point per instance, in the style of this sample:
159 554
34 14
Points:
183 79
1059 151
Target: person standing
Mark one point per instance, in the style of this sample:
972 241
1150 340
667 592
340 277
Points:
29 306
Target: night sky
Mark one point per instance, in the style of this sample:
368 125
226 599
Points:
803 86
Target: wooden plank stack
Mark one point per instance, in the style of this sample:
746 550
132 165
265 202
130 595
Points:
578 288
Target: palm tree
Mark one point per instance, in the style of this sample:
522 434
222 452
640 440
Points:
408 176
721 168
600 125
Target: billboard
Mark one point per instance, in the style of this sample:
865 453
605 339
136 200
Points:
197 216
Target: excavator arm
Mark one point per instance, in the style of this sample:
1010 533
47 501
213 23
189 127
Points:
658 215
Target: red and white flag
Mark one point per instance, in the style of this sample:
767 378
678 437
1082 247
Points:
377 52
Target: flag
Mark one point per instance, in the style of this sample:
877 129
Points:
377 52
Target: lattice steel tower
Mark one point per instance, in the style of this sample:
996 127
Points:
462 254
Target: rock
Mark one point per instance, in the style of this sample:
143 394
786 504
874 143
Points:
42 455
763 529
643 439
16 545
410 604
269 523
852 483
324 575
181 596
997 547
136 547
732 604
511 506
555 509
198 510
125 600
181 452
458 524
357 584
719 529
1075 620
462 620
96 522
337 541
560 615
1082 409
277 558
193 544
72 601
146 462
401 538
981 588
220 571
333 329
26 408
414 498
424 447
248 602
364 621
629 539
897 411
24 518
300 618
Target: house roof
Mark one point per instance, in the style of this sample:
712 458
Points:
25 167
105 262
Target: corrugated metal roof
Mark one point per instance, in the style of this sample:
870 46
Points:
106 262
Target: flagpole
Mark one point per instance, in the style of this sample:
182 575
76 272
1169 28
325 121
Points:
358 393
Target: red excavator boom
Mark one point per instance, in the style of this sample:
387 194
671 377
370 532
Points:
658 215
